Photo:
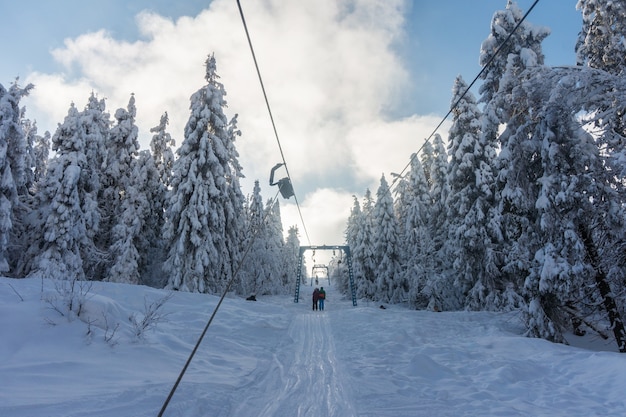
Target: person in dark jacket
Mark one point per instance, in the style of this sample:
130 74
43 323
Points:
321 297
316 297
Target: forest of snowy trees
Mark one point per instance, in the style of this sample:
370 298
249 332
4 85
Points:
520 207
524 207
101 209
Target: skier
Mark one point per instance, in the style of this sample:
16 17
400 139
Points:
316 294
322 297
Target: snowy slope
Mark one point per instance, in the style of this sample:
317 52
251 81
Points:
277 358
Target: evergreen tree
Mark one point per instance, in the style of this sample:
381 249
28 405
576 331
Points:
277 269
418 244
122 206
390 286
291 252
14 166
41 153
205 203
601 41
64 203
438 171
516 167
161 148
95 125
580 207
253 272
265 267
353 235
363 252
149 241
155 170
470 204
30 137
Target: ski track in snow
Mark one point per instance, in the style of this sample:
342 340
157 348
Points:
280 359
304 378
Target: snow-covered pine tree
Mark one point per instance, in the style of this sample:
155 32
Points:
205 203
41 154
126 233
274 243
353 233
14 166
600 49
573 197
40 151
363 251
471 232
95 125
601 43
291 252
123 205
515 168
390 284
254 267
30 137
161 148
418 246
64 204
438 192
155 168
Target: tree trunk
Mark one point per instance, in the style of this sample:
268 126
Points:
617 325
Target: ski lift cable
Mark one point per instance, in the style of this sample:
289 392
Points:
269 110
457 102
217 306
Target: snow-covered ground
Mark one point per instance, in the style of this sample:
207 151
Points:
274 357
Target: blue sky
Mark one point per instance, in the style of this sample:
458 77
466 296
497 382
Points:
355 87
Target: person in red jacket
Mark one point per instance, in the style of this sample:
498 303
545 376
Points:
316 297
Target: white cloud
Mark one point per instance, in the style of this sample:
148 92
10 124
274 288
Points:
329 69
325 212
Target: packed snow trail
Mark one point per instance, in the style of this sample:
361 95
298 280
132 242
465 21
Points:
304 378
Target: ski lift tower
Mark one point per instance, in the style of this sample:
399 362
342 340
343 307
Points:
345 249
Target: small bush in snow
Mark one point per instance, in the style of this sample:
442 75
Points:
69 297
150 318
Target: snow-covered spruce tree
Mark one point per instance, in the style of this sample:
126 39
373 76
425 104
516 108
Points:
64 201
418 246
95 125
471 232
601 97
204 215
438 193
390 284
275 281
14 170
515 168
254 266
435 163
353 233
598 96
363 253
600 43
291 252
161 148
155 170
119 173
264 271
30 137
283 254
574 196
41 154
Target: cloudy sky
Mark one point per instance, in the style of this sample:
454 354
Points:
355 86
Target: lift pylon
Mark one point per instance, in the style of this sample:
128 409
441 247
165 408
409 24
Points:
345 249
